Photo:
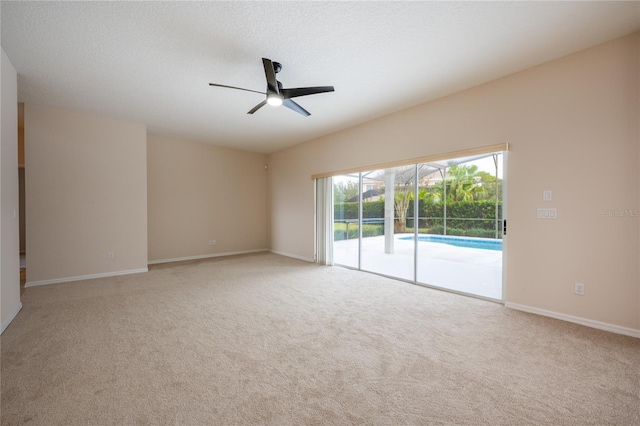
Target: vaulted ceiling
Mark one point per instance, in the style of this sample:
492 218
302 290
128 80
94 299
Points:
151 62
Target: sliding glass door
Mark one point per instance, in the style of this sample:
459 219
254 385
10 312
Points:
459 244
346 220
437 223
387 218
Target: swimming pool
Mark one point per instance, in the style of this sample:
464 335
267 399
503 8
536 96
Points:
479 243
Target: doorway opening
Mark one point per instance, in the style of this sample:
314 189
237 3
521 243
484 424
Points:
21 201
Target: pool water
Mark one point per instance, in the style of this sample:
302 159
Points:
479 243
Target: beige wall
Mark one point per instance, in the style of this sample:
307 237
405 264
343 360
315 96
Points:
9 235
198 193
86 195
573 126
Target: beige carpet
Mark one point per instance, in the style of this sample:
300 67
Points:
264 339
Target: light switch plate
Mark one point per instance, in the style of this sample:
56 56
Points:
551 213
546 195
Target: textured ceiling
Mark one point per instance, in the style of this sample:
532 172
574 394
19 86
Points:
151 62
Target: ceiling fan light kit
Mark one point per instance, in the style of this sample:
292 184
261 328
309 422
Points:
276 95
274 100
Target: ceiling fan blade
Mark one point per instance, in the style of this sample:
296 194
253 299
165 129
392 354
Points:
257 107
269 72
237 88
304 91
294 106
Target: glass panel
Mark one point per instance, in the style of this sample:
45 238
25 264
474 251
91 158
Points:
387 221
460 225
346 214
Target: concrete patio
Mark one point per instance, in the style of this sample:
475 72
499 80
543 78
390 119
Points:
468 270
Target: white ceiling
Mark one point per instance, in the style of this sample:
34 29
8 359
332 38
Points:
151 62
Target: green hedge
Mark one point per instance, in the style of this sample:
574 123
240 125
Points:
463 232
369 230
459 214
484 209
371 209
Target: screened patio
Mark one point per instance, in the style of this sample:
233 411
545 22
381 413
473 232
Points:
397 216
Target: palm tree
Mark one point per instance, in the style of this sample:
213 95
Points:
432 194
491 184
403 194
464 183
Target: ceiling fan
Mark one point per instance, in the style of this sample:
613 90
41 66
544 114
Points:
276 94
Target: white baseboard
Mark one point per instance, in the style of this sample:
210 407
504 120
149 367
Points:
85 277
577 320
8 321
204 256
294 256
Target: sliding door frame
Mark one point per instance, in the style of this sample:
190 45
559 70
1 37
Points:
499 148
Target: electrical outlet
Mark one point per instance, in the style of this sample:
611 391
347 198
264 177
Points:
579 289
111 255
212 242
